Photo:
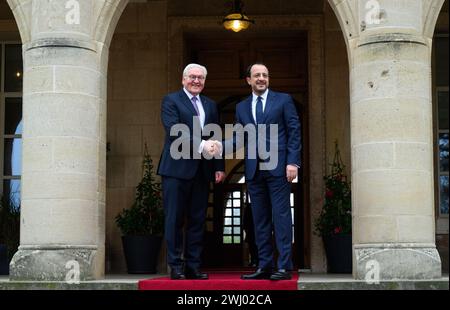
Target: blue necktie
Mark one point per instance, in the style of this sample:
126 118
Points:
259 110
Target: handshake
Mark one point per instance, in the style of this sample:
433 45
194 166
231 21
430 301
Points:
212 148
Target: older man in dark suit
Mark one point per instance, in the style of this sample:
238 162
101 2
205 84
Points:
185 179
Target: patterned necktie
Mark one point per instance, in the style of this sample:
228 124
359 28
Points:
194 103
259 110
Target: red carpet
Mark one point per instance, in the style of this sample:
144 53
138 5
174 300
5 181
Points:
219 281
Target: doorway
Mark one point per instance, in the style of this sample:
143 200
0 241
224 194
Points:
226 57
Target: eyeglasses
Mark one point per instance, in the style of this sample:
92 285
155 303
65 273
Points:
201 78
258 75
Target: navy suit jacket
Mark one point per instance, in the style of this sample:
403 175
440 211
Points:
178 109
279 110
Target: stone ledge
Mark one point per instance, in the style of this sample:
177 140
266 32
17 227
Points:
110 282
85 285
346 282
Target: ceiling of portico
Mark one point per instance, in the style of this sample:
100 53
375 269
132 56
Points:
251 7
221 7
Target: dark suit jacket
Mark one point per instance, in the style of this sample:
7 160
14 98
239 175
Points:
279 110
178 109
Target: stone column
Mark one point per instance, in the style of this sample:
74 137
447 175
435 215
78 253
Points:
64 138
391 137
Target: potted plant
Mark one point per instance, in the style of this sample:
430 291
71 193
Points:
9 232
334 223
142 225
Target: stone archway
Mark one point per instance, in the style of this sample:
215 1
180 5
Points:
389 49
313 25
65 52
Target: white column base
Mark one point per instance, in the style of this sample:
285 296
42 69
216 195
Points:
407 261
55 263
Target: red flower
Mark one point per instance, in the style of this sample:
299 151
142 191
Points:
338 230
329 194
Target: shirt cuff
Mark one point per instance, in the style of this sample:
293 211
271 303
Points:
200 147
220 149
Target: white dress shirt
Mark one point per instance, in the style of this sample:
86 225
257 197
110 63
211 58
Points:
201 116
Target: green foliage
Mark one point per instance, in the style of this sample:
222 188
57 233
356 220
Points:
336 214
9 225
146 215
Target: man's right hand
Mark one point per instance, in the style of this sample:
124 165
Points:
212 147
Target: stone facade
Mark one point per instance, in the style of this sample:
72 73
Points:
391 136
64 107
92 83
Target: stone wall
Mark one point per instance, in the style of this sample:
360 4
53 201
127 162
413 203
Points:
337 97
442 246
137 81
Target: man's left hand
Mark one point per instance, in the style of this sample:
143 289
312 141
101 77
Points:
291 172
220 176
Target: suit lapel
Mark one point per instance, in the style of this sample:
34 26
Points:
271 101
185 99
205 106
249 108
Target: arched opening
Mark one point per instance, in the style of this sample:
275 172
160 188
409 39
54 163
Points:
137 81
440 95
141 58
11 124
227 57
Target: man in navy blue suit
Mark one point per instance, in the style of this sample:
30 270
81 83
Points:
185 180
269 187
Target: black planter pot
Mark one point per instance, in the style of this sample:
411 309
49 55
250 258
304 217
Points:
4 264
141 253
338 249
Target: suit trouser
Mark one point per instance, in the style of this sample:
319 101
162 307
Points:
185 203
270 197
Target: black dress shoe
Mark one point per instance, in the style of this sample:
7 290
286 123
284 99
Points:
195 274
177 274
281 274
258 275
